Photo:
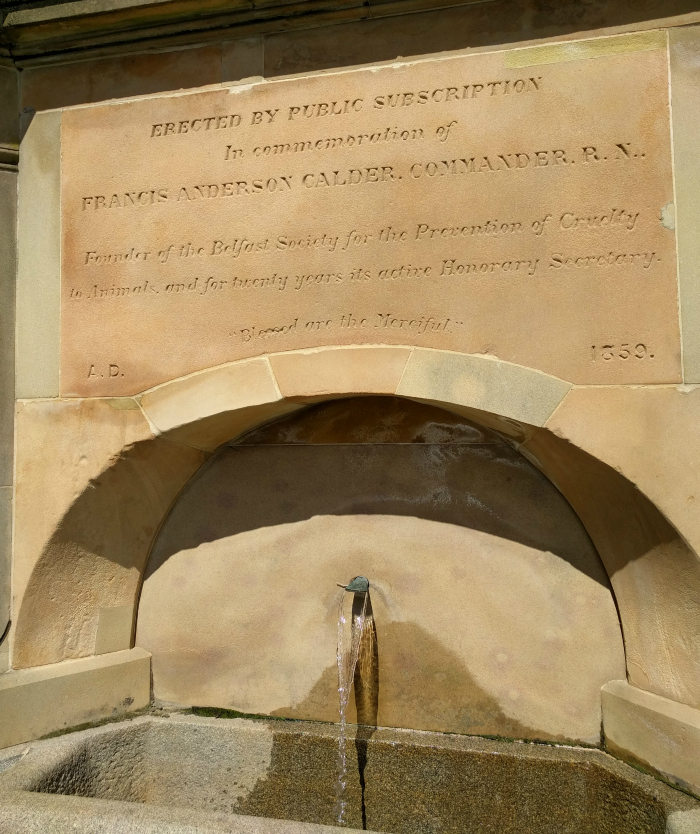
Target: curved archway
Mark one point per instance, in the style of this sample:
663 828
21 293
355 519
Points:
493 611
78 574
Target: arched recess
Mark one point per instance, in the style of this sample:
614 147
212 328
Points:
77 582
493 611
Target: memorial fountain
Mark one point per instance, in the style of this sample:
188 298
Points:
395 289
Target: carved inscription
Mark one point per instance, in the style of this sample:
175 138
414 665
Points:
449 204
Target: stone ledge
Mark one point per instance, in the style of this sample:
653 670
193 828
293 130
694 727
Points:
28 813
45 699
654 732
60 27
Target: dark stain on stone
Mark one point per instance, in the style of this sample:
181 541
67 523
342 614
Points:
421 789
370 420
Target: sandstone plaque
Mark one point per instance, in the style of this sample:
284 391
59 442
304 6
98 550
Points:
466 203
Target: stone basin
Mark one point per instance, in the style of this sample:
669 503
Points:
186 774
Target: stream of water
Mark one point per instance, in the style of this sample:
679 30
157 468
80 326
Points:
347 653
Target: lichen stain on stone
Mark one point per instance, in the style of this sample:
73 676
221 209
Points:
668 216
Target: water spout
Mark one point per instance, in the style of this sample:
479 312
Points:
359 585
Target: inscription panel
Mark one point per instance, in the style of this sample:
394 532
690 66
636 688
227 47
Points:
457 203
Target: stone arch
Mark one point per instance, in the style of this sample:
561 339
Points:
77 583
493 610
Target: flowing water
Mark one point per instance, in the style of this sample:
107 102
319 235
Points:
347 653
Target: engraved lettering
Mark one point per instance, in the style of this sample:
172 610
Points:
607 259
442 203
194 125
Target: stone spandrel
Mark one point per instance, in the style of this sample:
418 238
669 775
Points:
458 204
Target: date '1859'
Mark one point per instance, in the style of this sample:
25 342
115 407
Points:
623 351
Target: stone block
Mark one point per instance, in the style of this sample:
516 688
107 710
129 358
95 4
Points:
683 822
648 435
361 370
242 59
103 484
8 219
465 26
5 655
585 49
61 448
28 813
684 50
453 253
9 106
39 259
644 557
482 383
123 76
114 629
5 560
35 702
211 407
654 732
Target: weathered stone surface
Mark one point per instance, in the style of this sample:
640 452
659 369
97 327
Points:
216 391
207 409
39 259
8 256
9 107
683 822
644 556
35 702
125 76
493 611
242 58
654 732
482 383
405 213
8 217
649 435
5 562
196 775
61 448
36 813
371 420
685 76
477 25
391 28
365 370
114 629
103 490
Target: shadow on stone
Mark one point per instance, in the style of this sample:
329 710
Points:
413 694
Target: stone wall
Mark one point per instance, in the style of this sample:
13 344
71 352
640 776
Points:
9 139
98 467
